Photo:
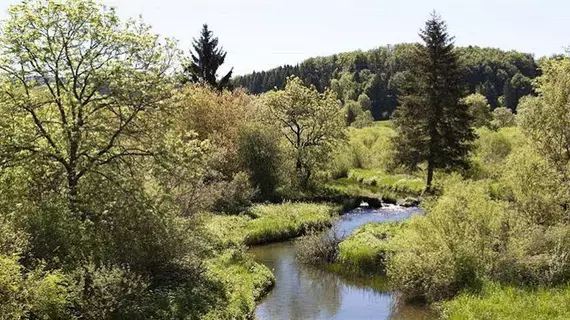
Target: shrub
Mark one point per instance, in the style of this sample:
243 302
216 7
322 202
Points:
237 196
245 282
454 246
38 294
318 248
260 155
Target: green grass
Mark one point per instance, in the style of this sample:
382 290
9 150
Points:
367 248
246 282
376 183
506 302
271 223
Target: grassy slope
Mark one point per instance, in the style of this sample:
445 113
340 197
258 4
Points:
271 223
246 282
498 302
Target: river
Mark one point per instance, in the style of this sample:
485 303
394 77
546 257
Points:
304 292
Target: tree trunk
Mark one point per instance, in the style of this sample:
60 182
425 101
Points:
429 176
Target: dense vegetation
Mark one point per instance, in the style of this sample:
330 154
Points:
372 79
130 192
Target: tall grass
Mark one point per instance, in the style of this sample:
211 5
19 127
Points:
368 248
271 223
508 302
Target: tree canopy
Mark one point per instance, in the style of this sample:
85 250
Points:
206 59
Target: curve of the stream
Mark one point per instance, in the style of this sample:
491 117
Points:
303 292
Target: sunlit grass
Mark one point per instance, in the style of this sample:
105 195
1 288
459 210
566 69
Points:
270 223
507 302
367 249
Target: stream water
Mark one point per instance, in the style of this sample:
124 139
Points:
303 292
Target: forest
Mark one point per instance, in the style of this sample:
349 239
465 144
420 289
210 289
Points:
375 76
136 182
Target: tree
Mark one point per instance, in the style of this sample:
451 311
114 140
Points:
76 87
310 121
432 124
206 59
479 109
546 118
503 117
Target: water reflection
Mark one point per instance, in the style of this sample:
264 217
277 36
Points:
303 292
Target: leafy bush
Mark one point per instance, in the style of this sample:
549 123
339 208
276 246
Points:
261 156
237 196
245 283
454 246
39 294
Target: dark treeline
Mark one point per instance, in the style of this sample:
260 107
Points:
503 77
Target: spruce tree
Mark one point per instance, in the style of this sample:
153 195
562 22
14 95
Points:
206 59
433 125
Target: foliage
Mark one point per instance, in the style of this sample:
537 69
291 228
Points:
237 195
479 109
311 122
509 302
502 118
260 154
245 283
545 118
453 247
492 149
498 75
433 126
39 294
367 249
206 59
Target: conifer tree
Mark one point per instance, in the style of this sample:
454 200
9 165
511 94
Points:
207 57
433 125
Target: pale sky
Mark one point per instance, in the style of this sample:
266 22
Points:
261 34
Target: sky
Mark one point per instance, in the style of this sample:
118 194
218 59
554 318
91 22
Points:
262 34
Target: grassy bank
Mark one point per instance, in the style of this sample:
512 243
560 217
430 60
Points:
367 249
506 302
245 282
271 223
379 184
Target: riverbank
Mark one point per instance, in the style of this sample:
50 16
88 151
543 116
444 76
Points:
247 281
320 292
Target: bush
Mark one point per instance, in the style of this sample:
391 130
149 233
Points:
318 248
108 293
245 283
454 246
38 294
237 196
491 151
536 255
260 155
